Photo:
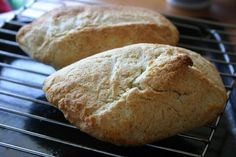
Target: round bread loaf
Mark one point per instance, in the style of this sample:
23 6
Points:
68 34
138 94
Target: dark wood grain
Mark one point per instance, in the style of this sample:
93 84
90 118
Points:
220 10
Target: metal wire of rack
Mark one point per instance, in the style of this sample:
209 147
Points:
211 39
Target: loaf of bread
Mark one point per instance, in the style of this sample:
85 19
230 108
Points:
65 35
138 94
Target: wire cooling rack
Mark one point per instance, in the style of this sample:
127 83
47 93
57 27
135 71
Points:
30 126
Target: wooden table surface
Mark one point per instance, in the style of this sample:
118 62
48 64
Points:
220 10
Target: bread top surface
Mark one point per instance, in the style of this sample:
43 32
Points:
62 20
148 91
129 64
80 31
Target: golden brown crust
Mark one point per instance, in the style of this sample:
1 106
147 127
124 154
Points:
66 35
138 94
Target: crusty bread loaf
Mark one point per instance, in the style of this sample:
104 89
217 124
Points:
138 94
65 35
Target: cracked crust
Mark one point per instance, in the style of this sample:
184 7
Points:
65 35
138 94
